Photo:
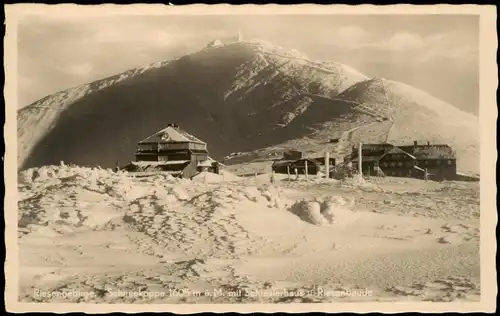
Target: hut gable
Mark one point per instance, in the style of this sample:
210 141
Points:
397 151
313 166
293 155
291 162
171 134
309 161
282 163
370 152
289 165
322 160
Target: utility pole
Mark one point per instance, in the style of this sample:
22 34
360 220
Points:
360 158
306 170
327 165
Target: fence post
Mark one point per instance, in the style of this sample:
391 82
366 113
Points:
288 171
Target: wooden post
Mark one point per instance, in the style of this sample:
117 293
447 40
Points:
306 169
360 159
327 165
288 171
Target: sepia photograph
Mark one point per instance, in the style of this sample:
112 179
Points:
229 156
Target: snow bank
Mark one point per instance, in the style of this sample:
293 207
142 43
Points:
222 220
229 176
80 197
333 210
358 182
210 177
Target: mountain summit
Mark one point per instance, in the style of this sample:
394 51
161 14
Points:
240 96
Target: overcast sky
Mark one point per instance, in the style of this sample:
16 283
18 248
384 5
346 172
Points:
436 53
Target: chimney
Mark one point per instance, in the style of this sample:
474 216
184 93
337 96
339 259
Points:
415 143
428 143
169 125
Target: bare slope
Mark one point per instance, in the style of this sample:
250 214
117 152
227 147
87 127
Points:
230 96
389 111
418 116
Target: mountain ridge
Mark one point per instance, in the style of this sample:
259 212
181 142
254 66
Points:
241 96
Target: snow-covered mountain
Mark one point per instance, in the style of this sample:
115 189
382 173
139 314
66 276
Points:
242 96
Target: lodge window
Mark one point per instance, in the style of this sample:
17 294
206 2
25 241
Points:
438 162
449 162
426 162
392 164
408 163
400 164
385 164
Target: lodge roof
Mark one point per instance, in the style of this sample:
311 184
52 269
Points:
397 150
375 153
430 151
171 134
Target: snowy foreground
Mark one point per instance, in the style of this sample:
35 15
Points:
91 235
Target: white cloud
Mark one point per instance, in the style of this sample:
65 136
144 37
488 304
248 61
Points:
435 47
349 36
80 70
405 41
131 36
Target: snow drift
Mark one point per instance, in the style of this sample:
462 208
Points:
220 219
332 211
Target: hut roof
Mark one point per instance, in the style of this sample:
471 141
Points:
430 151
322 159
282 162
205 163
396 150
311 160
375 150
171 134
289 162
375 153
